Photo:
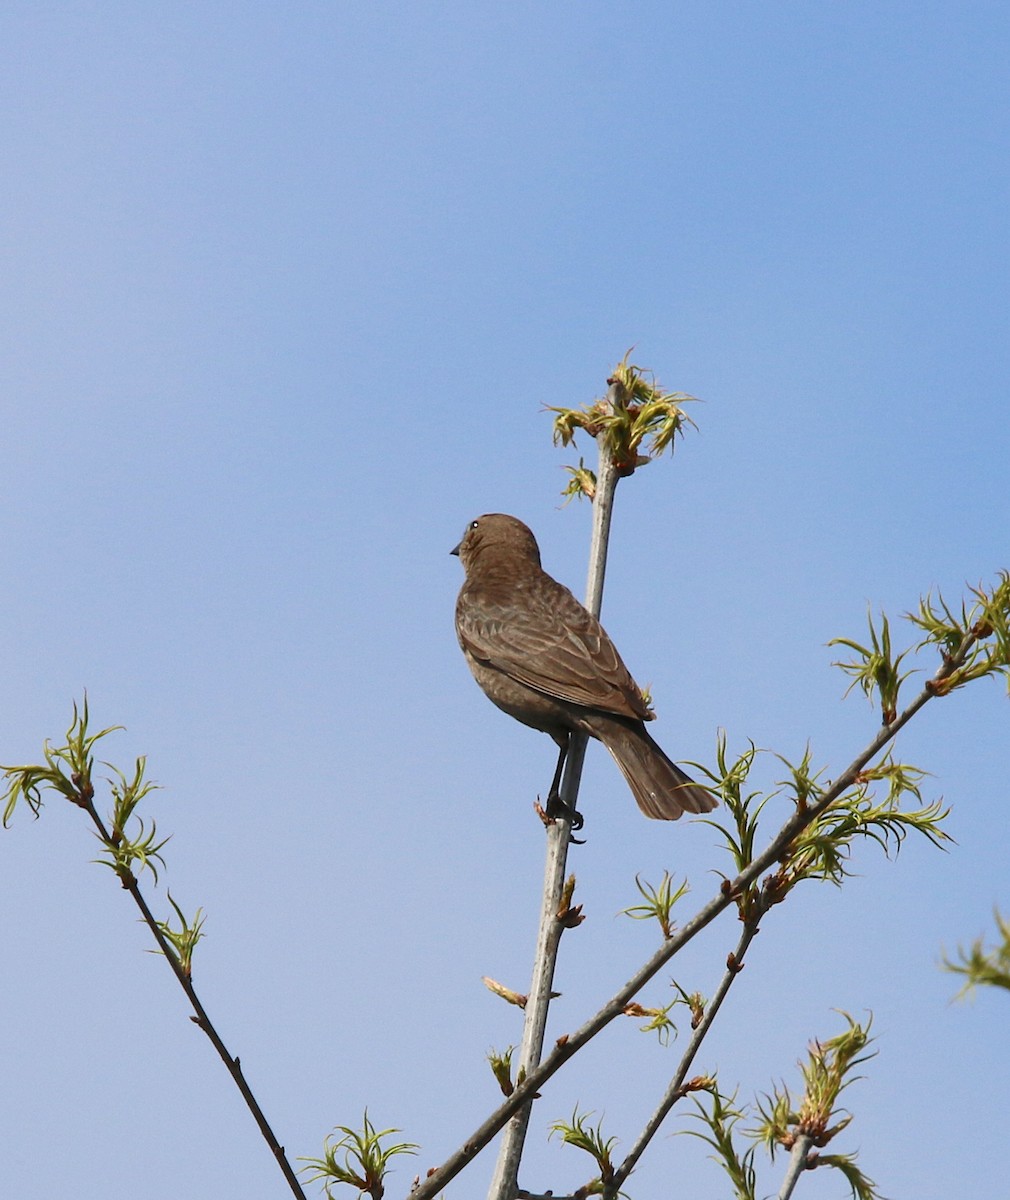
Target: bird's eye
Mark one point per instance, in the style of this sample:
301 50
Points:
474 524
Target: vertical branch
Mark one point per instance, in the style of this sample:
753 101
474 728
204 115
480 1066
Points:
504 1184
603 509
797 1164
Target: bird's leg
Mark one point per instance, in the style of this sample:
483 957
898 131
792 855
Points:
556 807
554 794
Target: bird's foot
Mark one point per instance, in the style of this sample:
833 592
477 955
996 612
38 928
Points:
557 809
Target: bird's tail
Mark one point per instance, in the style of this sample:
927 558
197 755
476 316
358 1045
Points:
662 789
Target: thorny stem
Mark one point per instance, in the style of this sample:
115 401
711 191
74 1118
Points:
568 1045
676 1091
798 1162
504 1183
129 882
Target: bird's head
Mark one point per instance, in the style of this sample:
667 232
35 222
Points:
497 537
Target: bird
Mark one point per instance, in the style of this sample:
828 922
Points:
544 659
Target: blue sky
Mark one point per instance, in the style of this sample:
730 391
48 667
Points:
285 291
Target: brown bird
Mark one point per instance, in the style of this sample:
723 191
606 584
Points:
545 660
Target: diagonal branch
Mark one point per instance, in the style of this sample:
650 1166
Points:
131 884
676 1090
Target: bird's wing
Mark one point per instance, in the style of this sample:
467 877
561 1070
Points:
548 641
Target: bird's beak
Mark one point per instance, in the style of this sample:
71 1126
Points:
455 550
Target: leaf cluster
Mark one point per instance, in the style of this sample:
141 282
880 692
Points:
657 1019
822 849
974 644
581 482
861 1185
501 1068
579 1133
658 902
637 414
720 1117
141 848
827 1071
877 669
358 1158
68 770
743 810
182 941
982 967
